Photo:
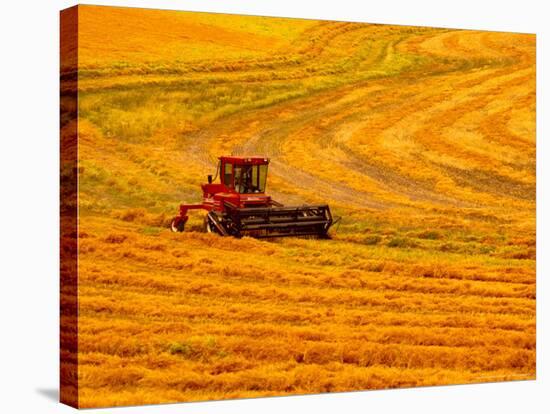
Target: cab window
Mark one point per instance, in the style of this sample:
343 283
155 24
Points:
227 174
250 178
262 177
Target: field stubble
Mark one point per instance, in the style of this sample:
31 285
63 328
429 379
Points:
423 140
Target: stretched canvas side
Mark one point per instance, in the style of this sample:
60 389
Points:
69 207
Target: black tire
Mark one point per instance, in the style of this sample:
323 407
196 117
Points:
177 226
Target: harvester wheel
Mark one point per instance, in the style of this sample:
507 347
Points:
177 225
208 227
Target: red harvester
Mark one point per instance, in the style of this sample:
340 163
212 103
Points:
238 206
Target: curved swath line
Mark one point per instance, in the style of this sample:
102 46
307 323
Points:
223 80
306 52
315 71
523 52
396 182
201 142
494 130
173 84
267 142
324 189
273 145
386 177
365 161
454 42
274 149
278 61
450 44
447 117
399 179
492 183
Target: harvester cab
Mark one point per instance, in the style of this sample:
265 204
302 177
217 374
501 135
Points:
242 181
238 205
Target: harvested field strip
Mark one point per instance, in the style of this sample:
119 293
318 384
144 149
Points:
348 280
422 140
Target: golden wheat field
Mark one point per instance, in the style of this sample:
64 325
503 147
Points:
421 139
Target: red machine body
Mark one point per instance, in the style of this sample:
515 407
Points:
238 205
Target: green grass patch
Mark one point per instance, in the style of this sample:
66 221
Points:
402 242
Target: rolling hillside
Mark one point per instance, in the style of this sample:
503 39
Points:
422 140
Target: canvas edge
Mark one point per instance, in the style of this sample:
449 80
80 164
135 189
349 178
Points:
68 207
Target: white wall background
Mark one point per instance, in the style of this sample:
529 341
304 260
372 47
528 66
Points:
29 205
